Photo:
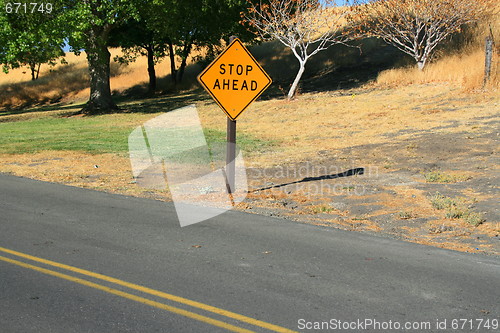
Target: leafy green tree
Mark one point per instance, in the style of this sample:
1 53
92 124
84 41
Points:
29 36
88 25
136 40
140 37
172 26
191 24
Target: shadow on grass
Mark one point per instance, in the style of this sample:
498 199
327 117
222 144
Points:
164 85
157 104
163 103
46 108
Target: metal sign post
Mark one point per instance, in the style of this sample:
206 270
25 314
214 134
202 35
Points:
230 148
234 80
230 155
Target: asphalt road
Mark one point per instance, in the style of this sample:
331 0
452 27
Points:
75 260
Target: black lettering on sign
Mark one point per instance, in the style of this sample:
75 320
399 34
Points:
228 84
234 85
239 69
225 84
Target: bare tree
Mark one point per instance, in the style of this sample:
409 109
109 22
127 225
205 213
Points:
305 26
416 27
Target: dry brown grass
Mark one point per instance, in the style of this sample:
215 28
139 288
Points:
464 70
17 89
104 172
337 122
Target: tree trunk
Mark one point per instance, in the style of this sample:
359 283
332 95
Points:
421 64
185 53
173 70
98 58
488 59
38 71
33 71
151 69
295 83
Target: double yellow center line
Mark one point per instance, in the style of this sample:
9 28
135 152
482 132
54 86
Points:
146 290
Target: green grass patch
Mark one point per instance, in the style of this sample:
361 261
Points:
441 177
100 134
96 135
457 208
348 188
245 141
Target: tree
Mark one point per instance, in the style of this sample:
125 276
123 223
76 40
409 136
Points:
190 24
416 27
89 23
157 21
29 38
136 39
305 26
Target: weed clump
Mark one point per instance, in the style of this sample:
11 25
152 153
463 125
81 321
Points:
405 215
457 208
441 177
321 209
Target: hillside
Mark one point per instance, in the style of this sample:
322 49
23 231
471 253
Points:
460 63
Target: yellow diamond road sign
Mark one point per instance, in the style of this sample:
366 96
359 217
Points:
235 79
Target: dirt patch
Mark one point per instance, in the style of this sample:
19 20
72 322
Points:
392 194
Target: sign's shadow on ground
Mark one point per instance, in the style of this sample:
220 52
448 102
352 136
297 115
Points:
348 173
